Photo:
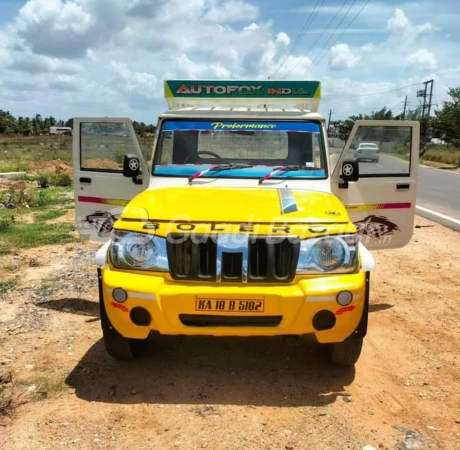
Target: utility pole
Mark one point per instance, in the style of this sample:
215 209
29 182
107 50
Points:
426 111
404 112
329 122
431 82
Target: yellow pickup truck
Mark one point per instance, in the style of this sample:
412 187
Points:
246 221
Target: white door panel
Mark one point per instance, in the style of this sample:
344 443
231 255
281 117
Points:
101 190
381 202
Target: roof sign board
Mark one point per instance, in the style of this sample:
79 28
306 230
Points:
194 92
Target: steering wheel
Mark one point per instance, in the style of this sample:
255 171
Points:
205 152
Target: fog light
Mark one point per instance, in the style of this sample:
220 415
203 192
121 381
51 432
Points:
323 320
344 298
140 316
119 295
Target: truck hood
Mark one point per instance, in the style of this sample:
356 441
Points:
235 205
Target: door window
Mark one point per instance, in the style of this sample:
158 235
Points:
103 145
382 150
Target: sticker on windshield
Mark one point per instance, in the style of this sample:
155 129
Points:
305 127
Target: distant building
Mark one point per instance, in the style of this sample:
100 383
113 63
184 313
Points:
333 133
61 130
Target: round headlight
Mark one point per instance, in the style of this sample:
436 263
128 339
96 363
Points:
329 254
139 250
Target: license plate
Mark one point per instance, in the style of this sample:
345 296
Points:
213 304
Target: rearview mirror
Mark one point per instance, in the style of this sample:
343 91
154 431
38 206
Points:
349 172
132 168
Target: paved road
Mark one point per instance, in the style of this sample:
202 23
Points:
438 193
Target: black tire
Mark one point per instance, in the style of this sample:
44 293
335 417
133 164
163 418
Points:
346 353
117 346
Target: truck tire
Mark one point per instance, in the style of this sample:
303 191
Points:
346 353
117 346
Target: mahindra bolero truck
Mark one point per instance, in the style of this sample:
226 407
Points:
247 220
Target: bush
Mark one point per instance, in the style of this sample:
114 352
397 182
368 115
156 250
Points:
456 143
45 197
43 179
443 154
119 155
61 180
5 224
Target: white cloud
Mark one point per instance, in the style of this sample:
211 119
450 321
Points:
341 57
232 11
403 32
116 53
132 84
51 27
422 60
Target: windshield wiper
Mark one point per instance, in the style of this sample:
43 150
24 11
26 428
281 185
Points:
218 168
284 169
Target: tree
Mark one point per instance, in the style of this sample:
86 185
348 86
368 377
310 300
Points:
344 127
446 123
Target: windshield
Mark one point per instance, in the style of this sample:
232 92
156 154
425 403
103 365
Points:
187 148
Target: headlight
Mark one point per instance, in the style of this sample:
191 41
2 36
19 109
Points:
329 254
138 251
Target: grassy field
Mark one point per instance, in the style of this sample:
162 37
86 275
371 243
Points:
445 154
34 209
30 219
24 153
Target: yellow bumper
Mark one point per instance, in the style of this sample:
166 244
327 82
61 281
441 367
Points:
296 305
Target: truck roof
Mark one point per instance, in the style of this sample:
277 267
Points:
239 112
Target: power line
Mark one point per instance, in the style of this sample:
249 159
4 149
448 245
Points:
307 23
316 41
319 58
341 34
351 97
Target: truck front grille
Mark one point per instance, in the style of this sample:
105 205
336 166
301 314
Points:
270 259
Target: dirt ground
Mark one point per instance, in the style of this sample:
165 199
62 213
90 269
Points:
232 393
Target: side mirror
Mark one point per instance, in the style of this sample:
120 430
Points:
349 172
132 168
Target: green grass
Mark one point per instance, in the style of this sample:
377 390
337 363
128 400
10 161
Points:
16 234
9 285
26 235
17 166
18 151
50 215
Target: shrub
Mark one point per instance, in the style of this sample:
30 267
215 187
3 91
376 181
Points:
456 143
43 179
446 156
61 180
119 155
5 224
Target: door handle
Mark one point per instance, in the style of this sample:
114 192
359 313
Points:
402 186
85 180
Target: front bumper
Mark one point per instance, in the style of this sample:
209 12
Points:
296 303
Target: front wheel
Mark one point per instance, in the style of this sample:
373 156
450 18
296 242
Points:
346 353
118 346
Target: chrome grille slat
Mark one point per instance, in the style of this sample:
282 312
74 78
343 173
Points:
259 259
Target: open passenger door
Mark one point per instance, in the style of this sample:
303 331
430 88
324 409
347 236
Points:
376 179
105 152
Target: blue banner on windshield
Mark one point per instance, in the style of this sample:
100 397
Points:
182 125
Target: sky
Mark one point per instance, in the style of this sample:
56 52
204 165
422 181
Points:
109 57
